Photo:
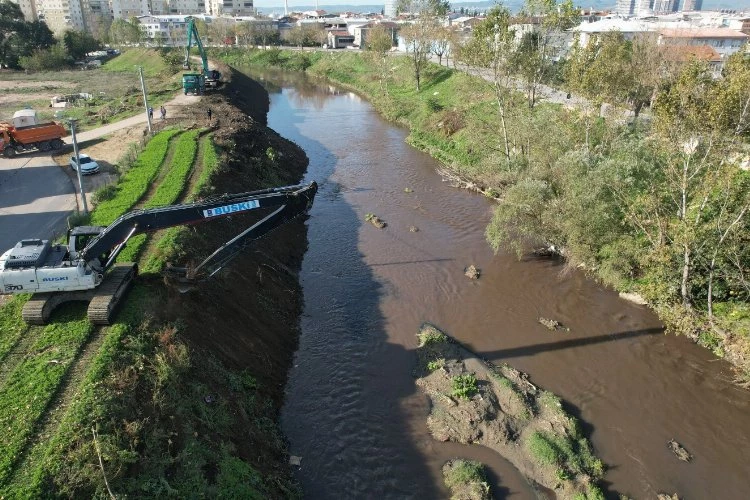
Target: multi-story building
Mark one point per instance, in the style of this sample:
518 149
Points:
229 7
390 8
97 16
665 6
164 7
633 7
28 7
688 5
125 9
61 15
724 41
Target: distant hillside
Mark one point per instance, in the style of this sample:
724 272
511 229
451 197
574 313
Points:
277 6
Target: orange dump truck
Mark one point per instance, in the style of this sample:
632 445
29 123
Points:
25 133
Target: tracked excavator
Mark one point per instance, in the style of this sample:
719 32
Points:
85 268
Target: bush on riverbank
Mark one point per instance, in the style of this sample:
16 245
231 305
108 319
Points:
600 192
466 480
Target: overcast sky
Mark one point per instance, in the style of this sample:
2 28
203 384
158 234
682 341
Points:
707 4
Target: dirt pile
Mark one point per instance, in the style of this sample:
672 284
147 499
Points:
497 406
248 315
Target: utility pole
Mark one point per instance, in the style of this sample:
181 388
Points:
145 99
72 122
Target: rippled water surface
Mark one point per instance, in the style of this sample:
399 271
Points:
353 412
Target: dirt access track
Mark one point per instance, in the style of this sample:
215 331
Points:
108 143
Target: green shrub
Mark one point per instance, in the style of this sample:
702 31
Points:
430 335
543 449
104 193
464 386
436 364
53 58
466 479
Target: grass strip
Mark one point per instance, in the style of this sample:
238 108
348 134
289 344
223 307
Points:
210 161
170 241
143 394
29 482
12 326
170 188
32 385
135 182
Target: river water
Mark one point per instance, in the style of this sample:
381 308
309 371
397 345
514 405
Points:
352 410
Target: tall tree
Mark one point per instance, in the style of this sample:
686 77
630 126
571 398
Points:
123 32
492 46
418 36
379 43
540 48
418 40
441 39
19 38
79 43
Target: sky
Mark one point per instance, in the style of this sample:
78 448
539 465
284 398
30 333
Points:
707 4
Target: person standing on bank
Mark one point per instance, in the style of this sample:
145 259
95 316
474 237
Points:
208 113
150 113
163 112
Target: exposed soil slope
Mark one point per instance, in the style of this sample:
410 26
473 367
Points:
247 315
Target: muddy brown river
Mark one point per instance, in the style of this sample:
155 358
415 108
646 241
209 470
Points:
353 412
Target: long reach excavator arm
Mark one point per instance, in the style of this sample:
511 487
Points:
85 269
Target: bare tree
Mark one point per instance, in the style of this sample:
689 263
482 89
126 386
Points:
491 46
539 48
441 39
379 43
418 39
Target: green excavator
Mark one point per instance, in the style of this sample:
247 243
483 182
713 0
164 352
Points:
197 83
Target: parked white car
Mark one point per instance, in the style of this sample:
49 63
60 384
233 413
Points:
88 165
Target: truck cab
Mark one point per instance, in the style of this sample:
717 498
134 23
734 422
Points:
193 83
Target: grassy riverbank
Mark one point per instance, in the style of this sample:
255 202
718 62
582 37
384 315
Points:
176 398
575 181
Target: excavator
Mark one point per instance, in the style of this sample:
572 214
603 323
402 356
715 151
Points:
85 268
196 83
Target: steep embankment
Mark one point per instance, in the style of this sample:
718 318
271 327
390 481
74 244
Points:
180 396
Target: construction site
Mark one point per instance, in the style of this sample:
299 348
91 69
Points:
94 406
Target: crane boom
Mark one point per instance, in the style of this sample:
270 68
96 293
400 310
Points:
196 83
292 199
192 31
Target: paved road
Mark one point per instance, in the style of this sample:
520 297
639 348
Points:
36 197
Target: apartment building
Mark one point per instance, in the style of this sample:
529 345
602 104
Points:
167 7
125 9
61 14
628 8
688 5
28 7
229 7
664 6
724 41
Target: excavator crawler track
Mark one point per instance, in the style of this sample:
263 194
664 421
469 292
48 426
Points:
39 307
107 295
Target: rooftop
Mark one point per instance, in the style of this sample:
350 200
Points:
688 52
703 33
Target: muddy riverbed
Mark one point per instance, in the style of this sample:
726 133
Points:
353 412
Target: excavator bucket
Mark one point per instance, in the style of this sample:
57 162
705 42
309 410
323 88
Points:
181 278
